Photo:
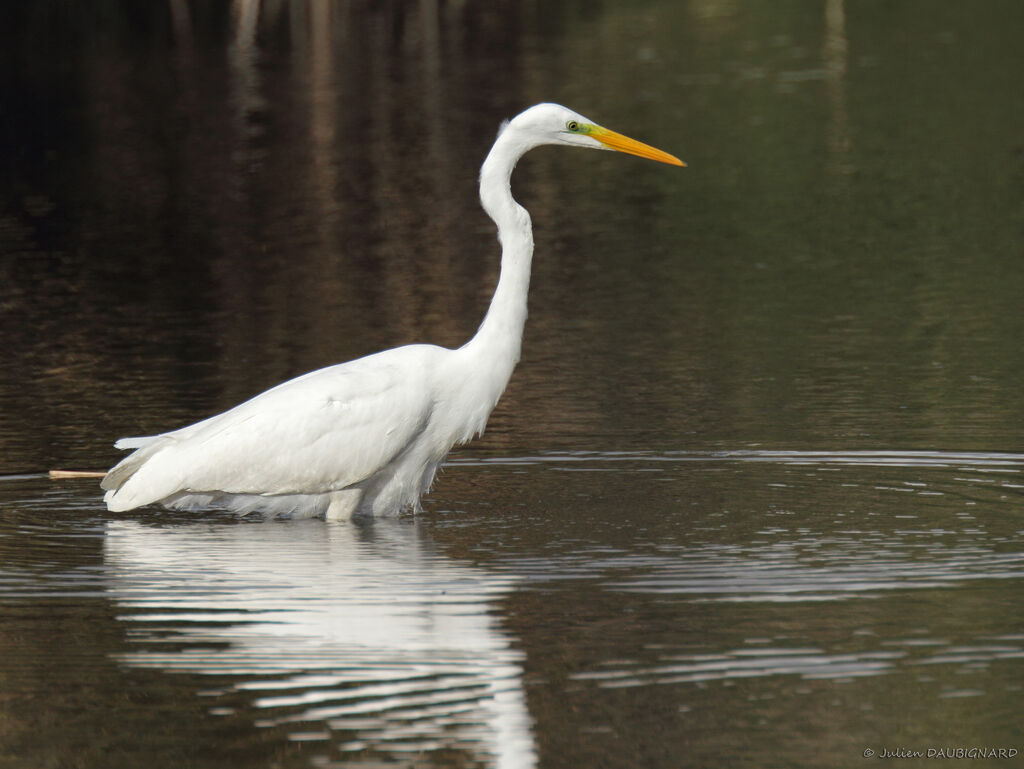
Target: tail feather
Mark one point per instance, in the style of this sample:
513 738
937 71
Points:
127 467
135 443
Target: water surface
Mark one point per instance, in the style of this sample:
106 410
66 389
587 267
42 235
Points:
754 496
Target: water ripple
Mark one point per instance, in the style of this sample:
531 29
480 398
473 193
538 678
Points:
801 662
806 571
966 460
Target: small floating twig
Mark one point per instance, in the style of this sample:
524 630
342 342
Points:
61 474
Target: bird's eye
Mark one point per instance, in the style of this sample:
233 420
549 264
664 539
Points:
573 126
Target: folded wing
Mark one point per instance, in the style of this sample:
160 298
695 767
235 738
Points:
320 433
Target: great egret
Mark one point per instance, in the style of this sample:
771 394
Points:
366 437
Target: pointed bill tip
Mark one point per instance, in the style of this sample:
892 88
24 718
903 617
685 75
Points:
620 143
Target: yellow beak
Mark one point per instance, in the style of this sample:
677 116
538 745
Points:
616 141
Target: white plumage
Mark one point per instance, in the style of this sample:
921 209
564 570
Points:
365 437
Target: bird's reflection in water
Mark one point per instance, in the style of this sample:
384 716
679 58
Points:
364 632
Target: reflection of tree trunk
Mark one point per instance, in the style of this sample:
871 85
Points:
238 283
181 20
243 54
317 287
836 56
445 217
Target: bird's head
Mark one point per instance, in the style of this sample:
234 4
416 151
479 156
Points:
555 124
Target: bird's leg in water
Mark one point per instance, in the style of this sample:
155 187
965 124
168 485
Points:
343 504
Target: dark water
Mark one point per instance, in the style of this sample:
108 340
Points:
754 498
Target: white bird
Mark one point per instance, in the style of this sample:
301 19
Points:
366 437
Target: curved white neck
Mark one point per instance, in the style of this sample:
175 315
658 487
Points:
498 341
